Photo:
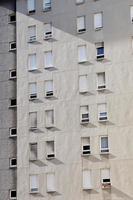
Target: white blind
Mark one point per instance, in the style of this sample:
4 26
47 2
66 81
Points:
51 182
33 151
98 20
32 88
82 53
31 5
131 13
102 107
84 109
48 59
48 85
101 78
83 83
80 23
32 62
104 142
33 119
87 184
85 140
105 174
32 31
49 117
47 28
34 182
50 147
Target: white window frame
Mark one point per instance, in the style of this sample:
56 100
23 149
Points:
131 13
33 95
10 132
31 11
10 162
104 150
47 6
84 120
49 65
48 34
49 93
101 87
82 58
103 118
87 143
51 189
51 125
31 68
81 30
37 183
13 198
100 25
83 89
50 155
88 185
32 38
106 185
13 106
10 46
10 15
10 74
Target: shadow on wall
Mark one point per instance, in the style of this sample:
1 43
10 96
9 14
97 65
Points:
65 20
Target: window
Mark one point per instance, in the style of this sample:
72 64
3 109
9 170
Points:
47 5
33 120
33 151
12 46
13 103
49 118
50 149
32 91
32 33
13 162
32 62
83 83
49 88
104 146
12 74
84 114
81 24
82 54
31 6
34 183
101 83
131 13
105 178
12 18
102 112
13 132
98 21
48 59
13 194
51 187
100 50
47 31
86 146
87 182
80 1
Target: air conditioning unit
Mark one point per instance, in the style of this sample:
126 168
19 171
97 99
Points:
103 116
104 150
33 96
32 39
81 30
86 150
106 184
34 190
85 118
100 57
50 156
101 87
48 35
49 94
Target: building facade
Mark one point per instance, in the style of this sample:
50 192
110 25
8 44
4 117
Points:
8 113
74 99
